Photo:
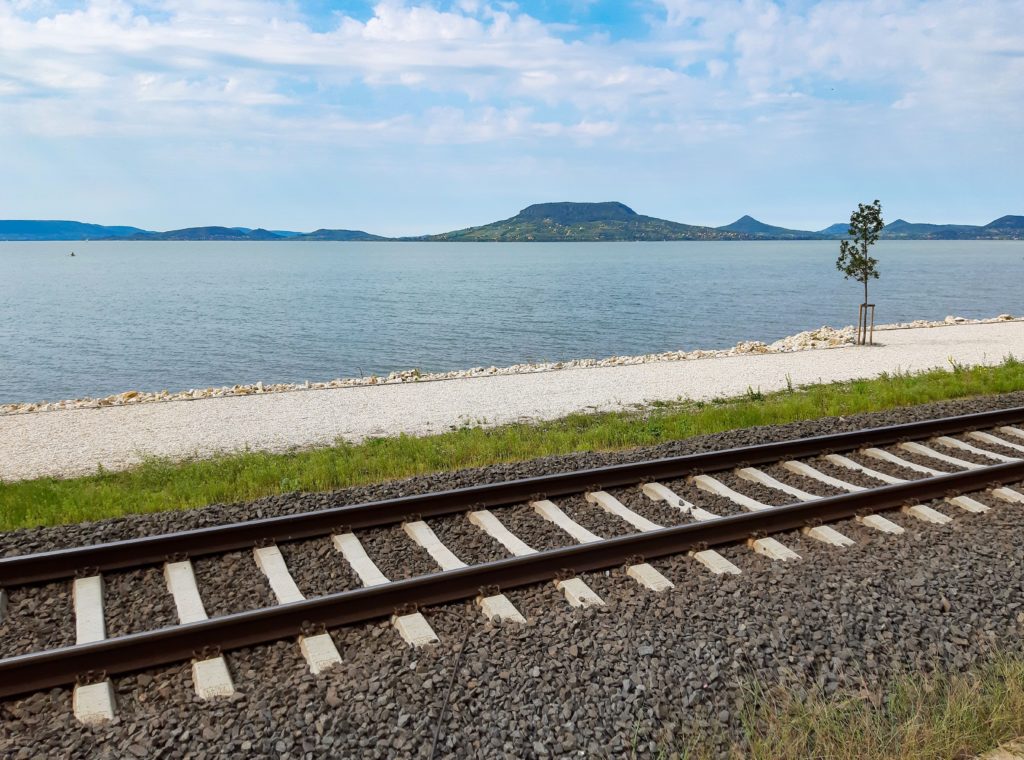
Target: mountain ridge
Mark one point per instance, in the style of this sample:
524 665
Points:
539 222
208 233
44 229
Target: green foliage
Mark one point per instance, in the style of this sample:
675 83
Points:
854 262
1004 228
584 222
160 484
751 226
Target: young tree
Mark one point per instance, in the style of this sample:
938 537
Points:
854 262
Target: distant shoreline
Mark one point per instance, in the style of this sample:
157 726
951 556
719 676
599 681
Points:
525 242
608 221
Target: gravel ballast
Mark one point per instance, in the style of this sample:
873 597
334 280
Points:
646 673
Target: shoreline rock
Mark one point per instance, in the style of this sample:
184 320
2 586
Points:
822 338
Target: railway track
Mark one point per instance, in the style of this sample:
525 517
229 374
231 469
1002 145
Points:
750 494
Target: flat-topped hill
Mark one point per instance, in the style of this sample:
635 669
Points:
584 222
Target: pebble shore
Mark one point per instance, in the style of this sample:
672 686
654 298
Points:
821 338
649 675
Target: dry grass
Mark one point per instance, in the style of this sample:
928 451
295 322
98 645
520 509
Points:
915 717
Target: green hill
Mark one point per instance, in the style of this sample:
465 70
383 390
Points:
338 235
1008 224
1004 228
208 233
751 226
609 221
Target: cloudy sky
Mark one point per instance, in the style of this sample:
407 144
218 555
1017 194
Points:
411 117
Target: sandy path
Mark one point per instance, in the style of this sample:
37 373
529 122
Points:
74 442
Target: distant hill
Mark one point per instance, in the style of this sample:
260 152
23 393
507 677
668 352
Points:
751 226
342 235
1007 223
208 233
565 221
902 229
1003 228
279 233
832 230
1006 227
24 229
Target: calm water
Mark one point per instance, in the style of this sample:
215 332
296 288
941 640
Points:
149 316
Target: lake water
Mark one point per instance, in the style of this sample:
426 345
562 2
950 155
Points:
148 316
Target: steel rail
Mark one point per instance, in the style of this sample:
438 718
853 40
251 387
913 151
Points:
60 667
116 555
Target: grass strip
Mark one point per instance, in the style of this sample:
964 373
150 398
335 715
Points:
915 717
160 484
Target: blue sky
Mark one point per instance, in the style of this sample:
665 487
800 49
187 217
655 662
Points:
411 117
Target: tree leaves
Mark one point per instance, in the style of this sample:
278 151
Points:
865 226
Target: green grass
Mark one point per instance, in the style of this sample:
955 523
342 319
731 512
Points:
916 717
160 484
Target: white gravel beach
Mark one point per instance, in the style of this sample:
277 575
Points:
76 441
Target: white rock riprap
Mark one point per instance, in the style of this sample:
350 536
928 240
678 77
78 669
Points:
823 337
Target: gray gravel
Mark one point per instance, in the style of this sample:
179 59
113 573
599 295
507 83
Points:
967 456
804 483
763 494
137 601
468 542
593 518
910 456
231 583
648 672
318 568
397 555
855 477
665 668
997 448
530 527
37 618
655 511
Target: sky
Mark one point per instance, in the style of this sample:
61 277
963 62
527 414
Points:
418 117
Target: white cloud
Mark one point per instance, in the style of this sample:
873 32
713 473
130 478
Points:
230 54
953 56
474 71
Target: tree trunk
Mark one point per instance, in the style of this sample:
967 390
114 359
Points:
862 327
